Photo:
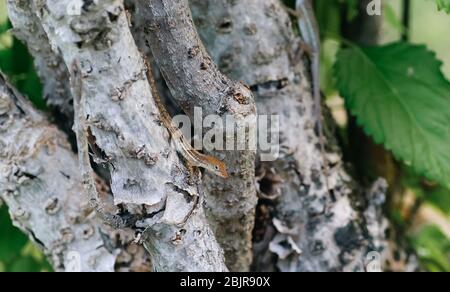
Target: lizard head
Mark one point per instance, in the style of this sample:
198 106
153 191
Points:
217 167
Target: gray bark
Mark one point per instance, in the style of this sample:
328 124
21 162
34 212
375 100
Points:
305 227
55 77
313 229
118 113
195 81
49 64
41 185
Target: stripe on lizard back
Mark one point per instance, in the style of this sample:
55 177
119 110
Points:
192 156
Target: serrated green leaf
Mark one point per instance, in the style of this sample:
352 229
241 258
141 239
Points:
401 98
443 5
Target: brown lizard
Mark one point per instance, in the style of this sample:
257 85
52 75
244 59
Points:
192 156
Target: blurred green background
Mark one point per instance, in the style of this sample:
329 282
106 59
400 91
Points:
430 231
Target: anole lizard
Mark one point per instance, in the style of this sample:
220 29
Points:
192 156
309 30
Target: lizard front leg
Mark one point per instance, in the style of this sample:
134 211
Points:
195 175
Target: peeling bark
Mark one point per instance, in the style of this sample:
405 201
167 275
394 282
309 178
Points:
148 180
316 229
302 226
195 81
40 183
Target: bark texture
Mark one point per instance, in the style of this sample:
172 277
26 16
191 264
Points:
195 81
148 181
48 62
40 183
303 226
313 229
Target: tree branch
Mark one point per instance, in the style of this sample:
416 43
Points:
46 199
49 64
195 81
314 231
148 180
40 183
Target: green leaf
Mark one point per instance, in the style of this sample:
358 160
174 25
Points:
17 253
17 63
392 19
440 198
328 14
32 87
434 194
401 98
6 62
443 5
433 249
25 264
11 239
352 9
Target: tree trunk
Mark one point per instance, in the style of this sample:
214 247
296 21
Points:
313 226
90 60
195 81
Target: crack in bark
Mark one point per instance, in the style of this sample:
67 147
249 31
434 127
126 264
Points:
195 81
268 58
